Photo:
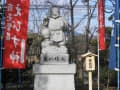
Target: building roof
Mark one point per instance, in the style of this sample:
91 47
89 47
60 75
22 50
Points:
88 54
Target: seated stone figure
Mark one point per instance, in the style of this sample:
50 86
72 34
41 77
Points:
53 32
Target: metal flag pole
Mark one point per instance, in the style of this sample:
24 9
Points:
19 76
98 53
1 50
98 64
118 37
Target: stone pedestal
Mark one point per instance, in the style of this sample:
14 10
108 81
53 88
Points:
54 77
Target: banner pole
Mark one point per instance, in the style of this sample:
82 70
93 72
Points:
1 48
98 49
98 64
19 78
118 37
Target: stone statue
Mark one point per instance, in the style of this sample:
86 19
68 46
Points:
54 71
53 31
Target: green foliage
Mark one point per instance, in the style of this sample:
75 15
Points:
113 78
104 74
93 42
107 75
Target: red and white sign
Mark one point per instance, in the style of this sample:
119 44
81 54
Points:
15 35
102 44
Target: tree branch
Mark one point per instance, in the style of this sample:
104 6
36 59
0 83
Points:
92 34
75 3
93 10
80 22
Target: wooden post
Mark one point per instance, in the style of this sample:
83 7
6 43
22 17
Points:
90 80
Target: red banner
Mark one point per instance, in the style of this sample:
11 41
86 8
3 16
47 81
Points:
101 26
15 36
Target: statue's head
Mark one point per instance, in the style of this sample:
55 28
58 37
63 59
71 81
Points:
55 11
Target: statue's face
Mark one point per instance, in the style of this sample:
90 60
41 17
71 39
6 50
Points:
55 12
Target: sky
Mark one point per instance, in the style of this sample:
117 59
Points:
108 8
54 2
82 12
79 12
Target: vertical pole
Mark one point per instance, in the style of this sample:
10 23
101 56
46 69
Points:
19 78
72 30
88 27
118 37
98 51
1 48
98 65
90 80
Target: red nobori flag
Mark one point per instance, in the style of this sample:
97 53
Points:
15 35
101 26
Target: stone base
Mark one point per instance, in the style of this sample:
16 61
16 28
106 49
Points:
54 77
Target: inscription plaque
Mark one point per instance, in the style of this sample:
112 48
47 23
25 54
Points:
54 59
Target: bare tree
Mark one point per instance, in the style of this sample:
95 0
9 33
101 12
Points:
89 33
73 26
72 5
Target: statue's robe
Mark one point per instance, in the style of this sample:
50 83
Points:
56 27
